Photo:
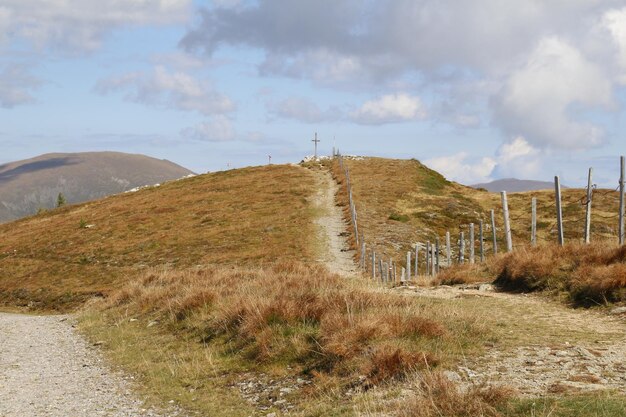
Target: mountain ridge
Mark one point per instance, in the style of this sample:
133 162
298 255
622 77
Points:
28 185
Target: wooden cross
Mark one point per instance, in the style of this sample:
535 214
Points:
316 141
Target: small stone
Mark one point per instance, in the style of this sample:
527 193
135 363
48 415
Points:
152 323
132 320
452 376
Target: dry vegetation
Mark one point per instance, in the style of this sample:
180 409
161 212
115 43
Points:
283 320
249 216
400 202
584 275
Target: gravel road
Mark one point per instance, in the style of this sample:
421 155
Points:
47 369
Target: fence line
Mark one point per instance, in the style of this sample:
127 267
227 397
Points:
383 267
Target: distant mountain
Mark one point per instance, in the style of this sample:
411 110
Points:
512 185
29 185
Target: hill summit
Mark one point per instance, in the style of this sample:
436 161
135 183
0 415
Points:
32 184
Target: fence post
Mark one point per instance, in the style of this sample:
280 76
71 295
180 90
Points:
462 248
417 252
437 255
507 222
472 257
448 251
381 269
363 266
621 199
373 266
493 233
408 265
428 258
533 227
588 211
482 243
559 211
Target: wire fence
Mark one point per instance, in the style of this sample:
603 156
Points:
475 241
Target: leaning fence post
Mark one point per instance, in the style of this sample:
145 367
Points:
493 233
588 211
533 227
507 222
559 210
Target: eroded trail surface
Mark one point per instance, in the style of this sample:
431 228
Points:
544 347
46 369
335 253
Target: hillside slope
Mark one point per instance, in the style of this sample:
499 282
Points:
513 185
59 258
401 202
29 185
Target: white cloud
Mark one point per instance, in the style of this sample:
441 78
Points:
217 129
391 108
80 25
516 158
457 168
16 85
304 110
537 100
163 88
615 22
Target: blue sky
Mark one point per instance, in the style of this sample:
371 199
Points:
478 90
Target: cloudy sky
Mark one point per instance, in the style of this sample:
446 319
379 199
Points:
478 89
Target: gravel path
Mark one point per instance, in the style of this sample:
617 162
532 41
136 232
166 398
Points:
47 369
335 252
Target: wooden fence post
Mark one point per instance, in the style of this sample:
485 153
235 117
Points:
621 199
428 258
482 243
408 265
507 222
448 250
588 208
417 252
533 227
472 256
381 269
462 248
559 211
437 255
493 233
373 266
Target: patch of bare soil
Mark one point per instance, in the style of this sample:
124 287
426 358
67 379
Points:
563 350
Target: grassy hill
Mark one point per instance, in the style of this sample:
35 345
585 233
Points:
400 202
210 292
34 184
60 258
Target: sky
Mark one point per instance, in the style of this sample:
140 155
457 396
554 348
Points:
476 89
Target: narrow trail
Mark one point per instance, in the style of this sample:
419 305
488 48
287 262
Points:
335 252
47 369
553 349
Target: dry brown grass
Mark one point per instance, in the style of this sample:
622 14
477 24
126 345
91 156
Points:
400 202
586 274
289 313
437 396
248 217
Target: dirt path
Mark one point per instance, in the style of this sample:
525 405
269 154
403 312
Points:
335 253
546 347
46 369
